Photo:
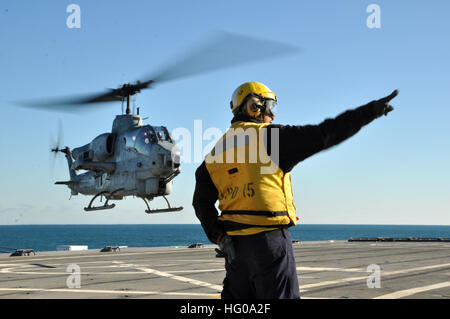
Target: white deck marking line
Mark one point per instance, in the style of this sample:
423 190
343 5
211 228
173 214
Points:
81 263
6 265
94 255
25 270
383 273
413 291
121 292
175 277
330 269
204 261
82 273
43 269
6 270
195 270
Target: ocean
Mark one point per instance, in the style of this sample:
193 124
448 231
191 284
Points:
47 237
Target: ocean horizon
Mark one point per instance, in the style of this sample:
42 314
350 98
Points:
46 237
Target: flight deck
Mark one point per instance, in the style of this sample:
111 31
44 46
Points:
326 270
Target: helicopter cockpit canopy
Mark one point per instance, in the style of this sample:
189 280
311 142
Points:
143 138
162 133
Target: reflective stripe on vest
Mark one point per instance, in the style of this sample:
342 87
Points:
254 193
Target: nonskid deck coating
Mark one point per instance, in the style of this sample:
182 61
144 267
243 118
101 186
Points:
325 269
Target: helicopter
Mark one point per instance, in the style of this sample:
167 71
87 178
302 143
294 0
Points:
142 160
131 160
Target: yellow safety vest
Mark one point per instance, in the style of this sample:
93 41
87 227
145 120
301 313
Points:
255 195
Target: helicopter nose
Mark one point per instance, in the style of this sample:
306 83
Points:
175 153
171 157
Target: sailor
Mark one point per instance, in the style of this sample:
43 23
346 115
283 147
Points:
248 172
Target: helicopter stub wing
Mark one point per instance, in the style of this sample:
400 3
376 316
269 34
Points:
67 183
97 166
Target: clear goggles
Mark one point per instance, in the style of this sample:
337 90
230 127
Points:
269 106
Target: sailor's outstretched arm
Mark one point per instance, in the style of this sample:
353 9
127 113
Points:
297 143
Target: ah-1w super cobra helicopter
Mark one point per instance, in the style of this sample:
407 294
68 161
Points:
132 160
142 160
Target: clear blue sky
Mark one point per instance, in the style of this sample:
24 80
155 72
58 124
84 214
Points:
395 171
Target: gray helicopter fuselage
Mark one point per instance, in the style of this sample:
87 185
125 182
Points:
134 159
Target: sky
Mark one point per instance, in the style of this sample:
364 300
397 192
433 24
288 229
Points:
396 170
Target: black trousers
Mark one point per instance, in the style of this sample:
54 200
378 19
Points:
264 268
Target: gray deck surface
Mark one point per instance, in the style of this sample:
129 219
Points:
325 270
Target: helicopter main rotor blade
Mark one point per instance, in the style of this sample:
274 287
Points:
118 94
223 50
66 104
82 101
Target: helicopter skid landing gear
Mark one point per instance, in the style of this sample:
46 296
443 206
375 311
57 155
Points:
105 206
164 210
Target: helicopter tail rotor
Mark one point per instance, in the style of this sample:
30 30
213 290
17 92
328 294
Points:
56 146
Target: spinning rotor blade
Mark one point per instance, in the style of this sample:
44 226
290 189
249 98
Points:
56 147
113 95
221 51
66 104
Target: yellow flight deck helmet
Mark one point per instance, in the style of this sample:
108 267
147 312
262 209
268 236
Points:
254 88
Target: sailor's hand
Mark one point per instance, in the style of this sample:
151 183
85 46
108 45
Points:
383 103
227 247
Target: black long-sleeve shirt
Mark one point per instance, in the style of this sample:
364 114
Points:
296 143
